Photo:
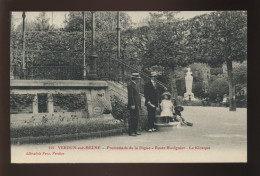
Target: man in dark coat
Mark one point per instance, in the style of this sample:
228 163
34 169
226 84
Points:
151 101
134 105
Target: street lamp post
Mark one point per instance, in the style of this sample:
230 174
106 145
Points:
11 52
84 47
121 69
92 65
118 35
23 53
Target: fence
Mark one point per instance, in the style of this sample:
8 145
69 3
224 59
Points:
48 72
51 65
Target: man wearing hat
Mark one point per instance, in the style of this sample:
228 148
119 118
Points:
134 104
151 100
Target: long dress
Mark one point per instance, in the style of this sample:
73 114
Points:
167 108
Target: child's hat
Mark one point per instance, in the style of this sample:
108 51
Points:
167 93
179 108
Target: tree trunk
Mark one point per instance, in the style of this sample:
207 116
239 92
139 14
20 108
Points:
172 82
232 99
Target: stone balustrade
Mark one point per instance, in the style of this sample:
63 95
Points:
91 89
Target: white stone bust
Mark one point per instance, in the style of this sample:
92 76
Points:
189 72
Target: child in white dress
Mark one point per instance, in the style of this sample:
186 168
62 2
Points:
166 107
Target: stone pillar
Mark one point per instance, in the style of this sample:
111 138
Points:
50 103
89 102
92 58
35 104
97 110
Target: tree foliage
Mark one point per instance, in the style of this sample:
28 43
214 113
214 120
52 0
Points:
215 39
160 17
200 78
240 75
218 88
48 48
218 38
29 26
167 46
42 22
104 21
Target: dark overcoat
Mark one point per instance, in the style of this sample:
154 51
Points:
150 94
134 97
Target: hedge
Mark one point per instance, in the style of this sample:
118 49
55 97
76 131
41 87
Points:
61 128
65 137
17 100
218 88
64 101
119 108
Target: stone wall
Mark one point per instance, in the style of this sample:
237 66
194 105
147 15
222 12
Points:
91 90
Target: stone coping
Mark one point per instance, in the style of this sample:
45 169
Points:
58 83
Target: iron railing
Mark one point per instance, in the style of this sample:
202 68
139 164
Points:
108 68
46 72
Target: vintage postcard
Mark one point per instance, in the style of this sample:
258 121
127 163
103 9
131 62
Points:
128 86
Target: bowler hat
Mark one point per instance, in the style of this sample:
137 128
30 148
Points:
135 75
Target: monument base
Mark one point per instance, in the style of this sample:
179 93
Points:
189 95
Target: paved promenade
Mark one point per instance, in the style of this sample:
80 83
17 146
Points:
218 135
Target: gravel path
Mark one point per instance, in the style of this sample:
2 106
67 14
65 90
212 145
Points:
218 135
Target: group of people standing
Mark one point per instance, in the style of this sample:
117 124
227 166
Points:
153 101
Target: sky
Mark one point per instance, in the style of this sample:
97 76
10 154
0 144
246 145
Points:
58 17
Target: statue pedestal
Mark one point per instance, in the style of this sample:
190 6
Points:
188 82
189 95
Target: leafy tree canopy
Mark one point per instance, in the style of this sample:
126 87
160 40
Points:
218 88
218 37
105 21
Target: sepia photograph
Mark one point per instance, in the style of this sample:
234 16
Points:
128 86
